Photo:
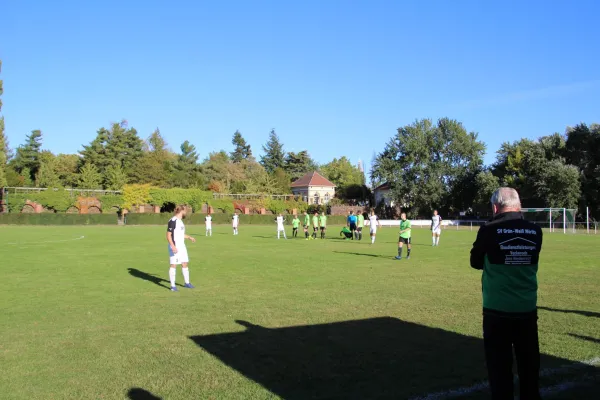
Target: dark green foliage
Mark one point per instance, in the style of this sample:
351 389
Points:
58 219
241 150
273 158
296 165
27 158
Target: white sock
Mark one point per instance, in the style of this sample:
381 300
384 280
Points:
284 236
437 241
433 238
278 234
172 274
372 239
186 275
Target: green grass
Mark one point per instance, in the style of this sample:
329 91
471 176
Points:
322 318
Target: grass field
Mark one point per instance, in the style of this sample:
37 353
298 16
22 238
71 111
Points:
92 317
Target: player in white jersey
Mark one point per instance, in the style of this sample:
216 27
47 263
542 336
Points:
208 222
235 221
178 254
436 228
373 225
280 228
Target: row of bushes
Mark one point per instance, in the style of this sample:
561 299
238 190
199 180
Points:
141 219
58 219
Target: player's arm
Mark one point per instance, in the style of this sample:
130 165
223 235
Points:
378 223
190 238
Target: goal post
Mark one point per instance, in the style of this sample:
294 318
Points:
552 218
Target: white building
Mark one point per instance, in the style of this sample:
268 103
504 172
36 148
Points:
382 194
314 188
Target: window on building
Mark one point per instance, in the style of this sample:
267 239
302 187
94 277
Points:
326 198
316 198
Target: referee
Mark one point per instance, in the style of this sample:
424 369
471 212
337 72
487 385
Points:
507 249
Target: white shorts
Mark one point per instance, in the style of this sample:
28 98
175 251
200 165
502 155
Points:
373 230
280 228
180 258
235 226
437 231
208 227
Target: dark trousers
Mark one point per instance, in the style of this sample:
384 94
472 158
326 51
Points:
500 336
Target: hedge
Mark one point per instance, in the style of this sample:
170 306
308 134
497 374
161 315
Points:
58 219
142 219
220 219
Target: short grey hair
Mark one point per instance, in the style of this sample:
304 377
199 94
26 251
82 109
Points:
505 197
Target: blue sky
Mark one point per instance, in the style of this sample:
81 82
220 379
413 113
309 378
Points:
334 77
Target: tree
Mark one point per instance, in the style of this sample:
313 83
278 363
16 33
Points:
558 185
241 150
28 154
66 167
187 171
90 177
342 172
155 165
485 184
274 154
115 178
296 165
424 163
47 177
118 146
281 182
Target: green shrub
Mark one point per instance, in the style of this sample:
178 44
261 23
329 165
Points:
58 219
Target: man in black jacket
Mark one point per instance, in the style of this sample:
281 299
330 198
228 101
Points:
507 250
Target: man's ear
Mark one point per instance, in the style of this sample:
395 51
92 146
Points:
494 209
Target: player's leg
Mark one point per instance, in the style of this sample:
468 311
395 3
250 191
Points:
359 233
284 235
172 277
437 238
373 234
400 244
278 233
433 237
183 258
408 246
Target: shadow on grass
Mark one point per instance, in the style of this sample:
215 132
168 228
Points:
361 359
391 257
588 338
578 312
136 273
141 394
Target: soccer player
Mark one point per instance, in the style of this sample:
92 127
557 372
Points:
295 226
208 222
352 223
315 222
178 254
360 223
306 224
373 225
404 237
235 220
280 227
323 224
436 228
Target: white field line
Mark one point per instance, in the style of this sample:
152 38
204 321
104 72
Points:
467 390
44 242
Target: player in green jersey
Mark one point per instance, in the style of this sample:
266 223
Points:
295 225
359 225
315 222
404 237
306 224
323 224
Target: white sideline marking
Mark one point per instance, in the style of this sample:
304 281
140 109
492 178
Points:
466 390
45 241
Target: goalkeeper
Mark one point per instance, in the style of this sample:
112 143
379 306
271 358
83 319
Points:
346 232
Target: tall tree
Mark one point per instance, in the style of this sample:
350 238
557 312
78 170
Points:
241 150
156 164
3 140
90 177
187 171
115 178
47 177
424 162
342 172
28 154
118 146
299 164
274 156
66 167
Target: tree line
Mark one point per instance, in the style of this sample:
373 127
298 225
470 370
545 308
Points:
439 165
